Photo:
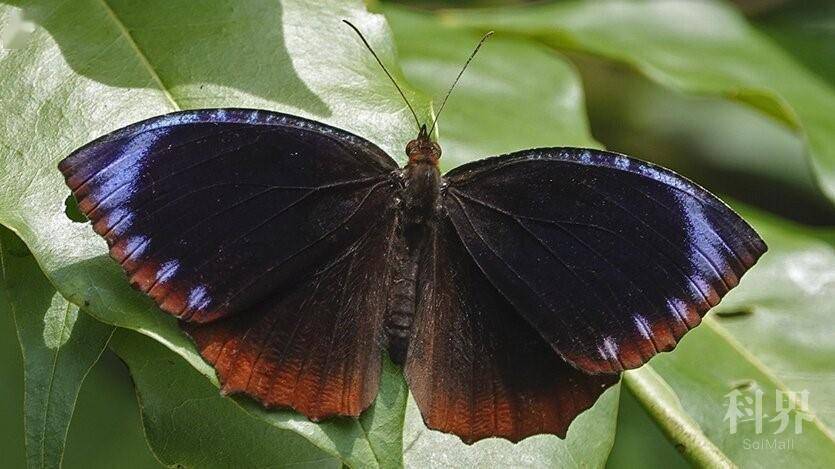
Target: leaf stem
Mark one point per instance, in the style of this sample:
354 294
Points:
661 402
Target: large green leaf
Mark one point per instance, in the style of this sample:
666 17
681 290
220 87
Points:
102 429
784 317
587 444
383 422
700 47
639 442
59 345
92 66
71 89
189 424
142 72
482 118
727 147
106 427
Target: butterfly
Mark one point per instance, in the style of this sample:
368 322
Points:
513 290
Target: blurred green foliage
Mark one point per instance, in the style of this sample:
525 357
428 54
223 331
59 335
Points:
105 427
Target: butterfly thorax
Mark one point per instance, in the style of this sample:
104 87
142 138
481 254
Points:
419 199
421 189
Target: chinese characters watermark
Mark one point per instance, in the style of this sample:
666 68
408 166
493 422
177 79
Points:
790 410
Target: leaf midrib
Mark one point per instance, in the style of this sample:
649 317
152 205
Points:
141 55
697 435
755 362
55 357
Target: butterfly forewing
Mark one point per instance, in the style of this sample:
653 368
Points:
208 211
610 259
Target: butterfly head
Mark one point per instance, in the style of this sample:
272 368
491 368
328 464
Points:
423 149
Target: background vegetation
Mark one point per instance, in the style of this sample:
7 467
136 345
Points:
738 96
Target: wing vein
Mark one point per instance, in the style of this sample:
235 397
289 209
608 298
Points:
129 183
701 222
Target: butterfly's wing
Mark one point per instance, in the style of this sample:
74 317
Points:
475 367
257 225
610 259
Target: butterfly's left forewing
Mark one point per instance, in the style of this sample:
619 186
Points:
610 259
263 234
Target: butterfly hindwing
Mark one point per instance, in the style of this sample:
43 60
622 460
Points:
475 367
610 259
263 233
315 347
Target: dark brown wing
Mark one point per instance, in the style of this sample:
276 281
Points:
269 228
610 259
475 367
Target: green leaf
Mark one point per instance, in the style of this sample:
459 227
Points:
697 47
482 118
784 318
639 442
729 148
106 427
189 424
12 441
663 405
383 421
102 429
59 347
92 66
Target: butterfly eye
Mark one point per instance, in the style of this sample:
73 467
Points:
412 148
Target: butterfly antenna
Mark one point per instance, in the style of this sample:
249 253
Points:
443 103
368 46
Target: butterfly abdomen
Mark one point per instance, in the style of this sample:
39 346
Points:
401 304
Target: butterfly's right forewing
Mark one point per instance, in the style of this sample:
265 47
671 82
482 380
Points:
611 259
